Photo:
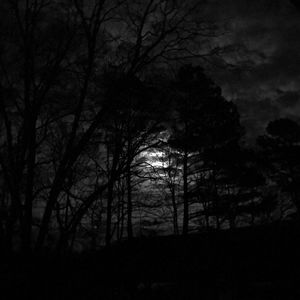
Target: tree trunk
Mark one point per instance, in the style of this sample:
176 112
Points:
175 212
110 195
129 203
13 216
109 213
47 215
27 218
129 184
120 224
185 227
232 222
30 128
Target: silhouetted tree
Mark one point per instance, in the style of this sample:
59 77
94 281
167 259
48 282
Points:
52 100
280 147
241 184
134 118
168 177
204 121
296 3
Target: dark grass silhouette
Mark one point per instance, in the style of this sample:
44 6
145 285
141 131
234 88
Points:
247 263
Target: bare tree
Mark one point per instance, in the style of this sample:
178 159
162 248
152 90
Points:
52 95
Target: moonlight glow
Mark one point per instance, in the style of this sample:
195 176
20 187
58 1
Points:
155 158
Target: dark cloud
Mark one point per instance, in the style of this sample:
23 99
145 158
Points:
289 99
267 85
255 114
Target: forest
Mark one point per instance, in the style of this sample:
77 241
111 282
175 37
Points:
116 131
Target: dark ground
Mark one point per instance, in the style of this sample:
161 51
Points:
244 264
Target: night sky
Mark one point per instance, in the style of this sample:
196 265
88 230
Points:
267 39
